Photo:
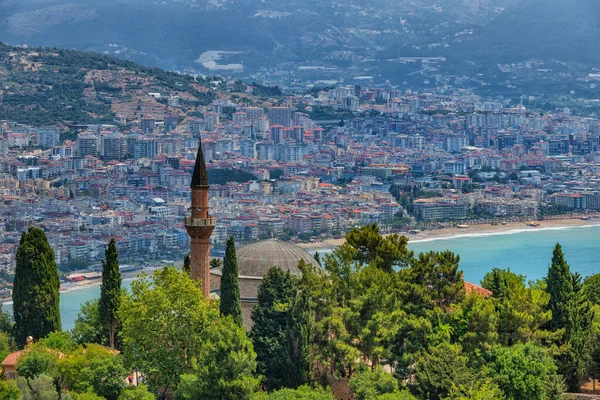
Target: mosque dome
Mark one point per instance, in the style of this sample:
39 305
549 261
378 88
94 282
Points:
255 259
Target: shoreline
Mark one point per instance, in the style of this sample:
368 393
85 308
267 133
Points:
473 230
72 287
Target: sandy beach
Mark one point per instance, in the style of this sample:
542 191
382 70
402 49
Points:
470 230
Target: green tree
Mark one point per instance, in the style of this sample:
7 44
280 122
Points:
571 314
139 392
169 315
36 288
275 295
485 390
230 289
86 396
5 345
37 360
88 326
216 263
440 370
368 246
6 324
502 282
223 368
299 332
110 291
93 369
368 384
42 387
478 327
522 310
187 264
59 341
522 371
9 390
591 288
317 258
304 392
438 275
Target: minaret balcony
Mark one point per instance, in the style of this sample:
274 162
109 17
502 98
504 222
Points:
189 221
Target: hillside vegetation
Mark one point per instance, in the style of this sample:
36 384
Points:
46 86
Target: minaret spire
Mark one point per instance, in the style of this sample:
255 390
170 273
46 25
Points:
199 177
200 225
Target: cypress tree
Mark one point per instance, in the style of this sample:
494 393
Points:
187 264
230 290
36 288
276 294
110 291
317 258
571 314
299 332
560 287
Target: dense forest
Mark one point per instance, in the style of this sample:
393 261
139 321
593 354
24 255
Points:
375 322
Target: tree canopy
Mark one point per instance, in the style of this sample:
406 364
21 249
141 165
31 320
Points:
36 288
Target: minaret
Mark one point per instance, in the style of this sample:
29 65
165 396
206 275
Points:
200 225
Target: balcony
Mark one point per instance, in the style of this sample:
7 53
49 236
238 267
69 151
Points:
189 221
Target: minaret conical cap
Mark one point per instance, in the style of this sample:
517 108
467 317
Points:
199 177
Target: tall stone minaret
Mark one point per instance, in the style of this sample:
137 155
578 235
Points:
200 225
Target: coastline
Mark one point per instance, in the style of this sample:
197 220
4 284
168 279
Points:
471 230
71 287
420 237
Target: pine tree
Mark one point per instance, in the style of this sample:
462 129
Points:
110 291
230 290
187 264
571 314
36 287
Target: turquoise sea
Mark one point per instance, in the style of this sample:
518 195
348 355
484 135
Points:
525 252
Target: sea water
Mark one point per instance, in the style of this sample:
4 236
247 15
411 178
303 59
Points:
527 252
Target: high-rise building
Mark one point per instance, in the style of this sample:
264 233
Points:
239 118
211 120
145 147
280 116
200 225
110 148
248 148
87 144
48 137
196 126
265 150
147 124
253 114
170 122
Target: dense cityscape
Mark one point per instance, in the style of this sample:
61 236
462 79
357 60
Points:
403 160
299 200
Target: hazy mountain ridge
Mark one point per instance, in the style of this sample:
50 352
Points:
271 39
174 32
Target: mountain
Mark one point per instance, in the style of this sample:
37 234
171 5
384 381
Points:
50 86
173 34
510 47
564 30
